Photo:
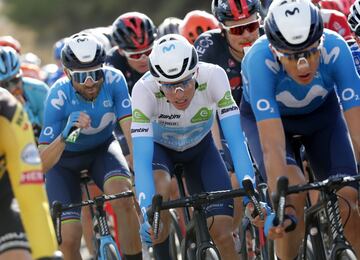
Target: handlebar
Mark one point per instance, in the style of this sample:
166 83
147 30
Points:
195 200
254 197
57 208
328 185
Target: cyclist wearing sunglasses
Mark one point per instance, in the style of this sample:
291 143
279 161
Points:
81 112
174 106
290 76
354 23
239 23
134 34
30 92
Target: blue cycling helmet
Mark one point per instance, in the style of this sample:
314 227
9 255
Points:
82 51
9 63
57 48
293 25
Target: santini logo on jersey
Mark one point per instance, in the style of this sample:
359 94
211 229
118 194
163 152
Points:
170 117
225 110
140 130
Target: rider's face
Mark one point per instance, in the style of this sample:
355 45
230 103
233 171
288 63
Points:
301 66
179 94
87 82
242 32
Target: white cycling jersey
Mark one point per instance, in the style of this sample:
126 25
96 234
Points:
177 129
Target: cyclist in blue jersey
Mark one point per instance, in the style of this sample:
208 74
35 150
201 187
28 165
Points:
30 92
174 106
290 76
354 23
80 115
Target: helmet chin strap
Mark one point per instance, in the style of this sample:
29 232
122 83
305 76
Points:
302 63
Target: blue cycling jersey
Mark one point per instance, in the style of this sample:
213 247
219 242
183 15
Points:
355 50
272 93
111 105
35 92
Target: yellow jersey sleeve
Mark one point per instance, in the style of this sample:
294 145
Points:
25 172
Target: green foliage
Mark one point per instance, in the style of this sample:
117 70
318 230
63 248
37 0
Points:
53 19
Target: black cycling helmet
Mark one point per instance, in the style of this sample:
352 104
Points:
293 25
82 51
234 10
134 31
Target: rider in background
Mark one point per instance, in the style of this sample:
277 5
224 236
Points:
354 23
333 19
168 26
81 112
292 93
30 92
239 28
134 34
59 72
195 23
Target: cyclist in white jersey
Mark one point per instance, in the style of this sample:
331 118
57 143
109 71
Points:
174 106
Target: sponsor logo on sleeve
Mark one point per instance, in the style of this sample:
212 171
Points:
30 154
202 86
32 177
227 100
139 117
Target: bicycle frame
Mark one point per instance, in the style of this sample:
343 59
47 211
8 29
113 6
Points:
105 240
329 203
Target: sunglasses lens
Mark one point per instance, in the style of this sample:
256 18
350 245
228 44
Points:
80 77
10 83
238 30
137 56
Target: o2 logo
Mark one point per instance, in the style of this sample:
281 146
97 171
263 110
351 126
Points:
349 94
264 105
168 48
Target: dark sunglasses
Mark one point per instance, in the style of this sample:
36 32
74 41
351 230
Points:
81 76
297 55
138 55
240 29
10 83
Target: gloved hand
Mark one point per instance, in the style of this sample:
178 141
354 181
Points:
70 126
145 235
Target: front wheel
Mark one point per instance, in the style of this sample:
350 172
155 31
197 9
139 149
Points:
110 252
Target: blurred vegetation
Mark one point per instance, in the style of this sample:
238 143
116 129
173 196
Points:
50 20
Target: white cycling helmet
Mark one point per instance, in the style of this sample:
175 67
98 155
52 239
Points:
293 24
172 59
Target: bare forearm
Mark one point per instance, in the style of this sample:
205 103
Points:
275 166
50 154
353 123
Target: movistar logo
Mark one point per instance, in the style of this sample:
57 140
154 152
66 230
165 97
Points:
139 117
168 48
203 114
288 12
227 100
